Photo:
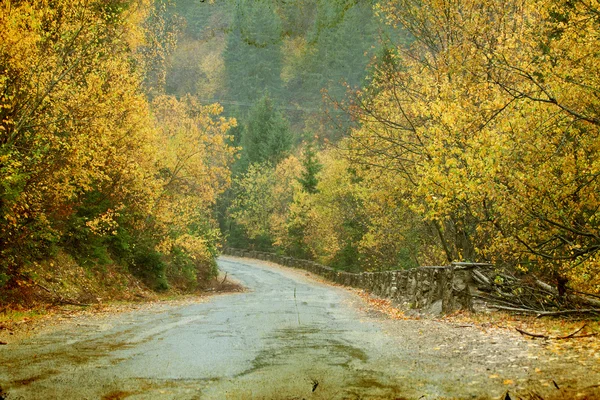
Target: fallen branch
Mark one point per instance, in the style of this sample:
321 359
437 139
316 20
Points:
224 279
578 336
569 336
535 335
44 288
481 278
572 334
585 300
546 287
593 386
521 296
71 302
566 312
469 265
494 300
524 310
577 298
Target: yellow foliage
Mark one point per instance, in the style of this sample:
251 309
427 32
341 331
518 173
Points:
265 195
72 118
193 160
332 206
489 124
82 153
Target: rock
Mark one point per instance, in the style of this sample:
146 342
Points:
435 308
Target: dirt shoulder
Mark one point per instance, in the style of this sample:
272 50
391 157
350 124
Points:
18 322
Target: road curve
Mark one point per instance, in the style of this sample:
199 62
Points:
286 337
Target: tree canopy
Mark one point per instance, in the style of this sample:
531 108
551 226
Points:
140 132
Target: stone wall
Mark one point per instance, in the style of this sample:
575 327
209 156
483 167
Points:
430 289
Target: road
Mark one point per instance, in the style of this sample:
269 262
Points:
287 337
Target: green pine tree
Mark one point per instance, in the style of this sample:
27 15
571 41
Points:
311 167
267 137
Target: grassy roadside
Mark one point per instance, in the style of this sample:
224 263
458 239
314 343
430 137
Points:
51 292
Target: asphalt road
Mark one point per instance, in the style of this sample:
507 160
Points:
286 337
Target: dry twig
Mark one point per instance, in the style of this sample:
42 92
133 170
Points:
569 336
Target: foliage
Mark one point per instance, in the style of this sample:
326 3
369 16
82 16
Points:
476 139
252 56
72 120
347 222
161 31
86 163
336 221
264 196
233 51
488 121
194 157
310 169
267 137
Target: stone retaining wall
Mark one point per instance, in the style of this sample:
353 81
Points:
431 289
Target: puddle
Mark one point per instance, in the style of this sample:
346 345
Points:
304 361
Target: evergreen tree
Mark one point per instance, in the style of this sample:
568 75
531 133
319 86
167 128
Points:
267 137
311 167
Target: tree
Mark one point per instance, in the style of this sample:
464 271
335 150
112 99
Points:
311 167
490 118
252 56
336 220
262 203
85 165
194 159
72 121
267 137
161 31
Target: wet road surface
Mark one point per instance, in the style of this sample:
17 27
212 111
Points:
287 337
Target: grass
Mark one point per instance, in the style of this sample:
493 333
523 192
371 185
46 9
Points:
11 316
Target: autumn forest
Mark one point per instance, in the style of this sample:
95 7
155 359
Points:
366 135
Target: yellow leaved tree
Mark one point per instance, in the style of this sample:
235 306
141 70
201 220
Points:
193 161
488 121
264 196
87 165
73 124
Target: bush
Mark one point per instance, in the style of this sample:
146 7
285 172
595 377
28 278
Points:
149 265
182 269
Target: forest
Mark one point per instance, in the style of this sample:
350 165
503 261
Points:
366 135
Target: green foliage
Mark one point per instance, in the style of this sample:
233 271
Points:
149 265
293 50
253 58
347 258
267 137
4 278
182 267
340 43
311 167
297 229
121 246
